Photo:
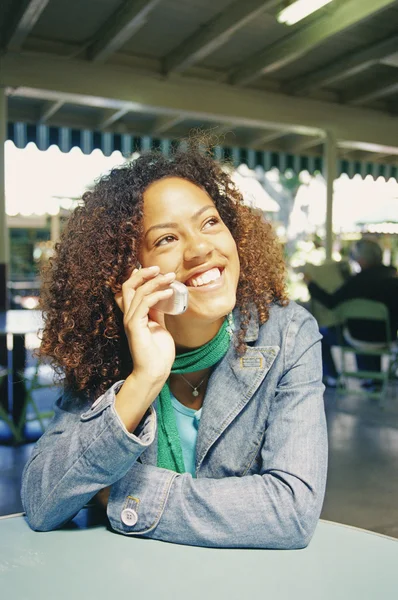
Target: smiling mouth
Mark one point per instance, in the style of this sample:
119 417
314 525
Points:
206 278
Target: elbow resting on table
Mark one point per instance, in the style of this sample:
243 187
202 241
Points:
300 540
296 515
305 517
38 524
306 525
43 516
294 535
42 521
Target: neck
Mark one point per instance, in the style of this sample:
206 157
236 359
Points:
183 391
194 335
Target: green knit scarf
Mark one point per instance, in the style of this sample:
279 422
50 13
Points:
169 445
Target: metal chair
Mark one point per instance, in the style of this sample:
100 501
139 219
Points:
4 415
32 384
371 311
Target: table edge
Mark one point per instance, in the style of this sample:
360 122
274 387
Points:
376 533
12 516
336 523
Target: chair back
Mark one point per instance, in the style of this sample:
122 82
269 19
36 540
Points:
369 310
362 309
330 276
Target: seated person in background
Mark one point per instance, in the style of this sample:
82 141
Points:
376 282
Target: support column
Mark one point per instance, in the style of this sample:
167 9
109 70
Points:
4 240
12 402
55 228
4 251
329 172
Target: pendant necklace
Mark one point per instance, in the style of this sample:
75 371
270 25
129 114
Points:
195 388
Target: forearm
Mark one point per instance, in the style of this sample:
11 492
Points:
274 510
346 292
134 398
319 294
76 457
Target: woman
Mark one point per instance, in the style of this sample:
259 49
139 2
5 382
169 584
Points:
203 428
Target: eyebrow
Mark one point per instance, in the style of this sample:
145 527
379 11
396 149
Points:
175 225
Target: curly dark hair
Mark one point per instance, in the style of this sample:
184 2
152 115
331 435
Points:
83 333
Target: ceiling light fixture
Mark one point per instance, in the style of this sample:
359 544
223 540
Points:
300 9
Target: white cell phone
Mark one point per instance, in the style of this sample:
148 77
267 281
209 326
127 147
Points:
177 303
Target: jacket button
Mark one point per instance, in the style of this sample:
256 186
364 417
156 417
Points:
129 517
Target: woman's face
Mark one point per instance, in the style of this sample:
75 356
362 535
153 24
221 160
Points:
184 233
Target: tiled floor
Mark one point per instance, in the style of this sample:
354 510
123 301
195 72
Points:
362 488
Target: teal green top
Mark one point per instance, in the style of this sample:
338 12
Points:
187 421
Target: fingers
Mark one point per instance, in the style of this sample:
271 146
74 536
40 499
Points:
147 302
126 293
146 290
138 277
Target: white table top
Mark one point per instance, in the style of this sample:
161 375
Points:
20 321
340 563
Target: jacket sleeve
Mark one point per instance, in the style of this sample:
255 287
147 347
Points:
82 451
277 508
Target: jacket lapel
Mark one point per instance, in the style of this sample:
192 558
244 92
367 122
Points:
230 388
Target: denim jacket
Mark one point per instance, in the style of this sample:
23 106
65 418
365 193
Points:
261 455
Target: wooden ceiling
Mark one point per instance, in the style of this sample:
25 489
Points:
164 67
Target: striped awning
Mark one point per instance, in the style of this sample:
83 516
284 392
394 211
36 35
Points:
87 140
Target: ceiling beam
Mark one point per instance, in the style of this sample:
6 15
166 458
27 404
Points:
28 114
349 65
306 144
163 124
214 34
373 92
344 153
348 146
382 158
266 138
355 155
108 86
20 22
391 107
49 109
121 26
111 118
293 47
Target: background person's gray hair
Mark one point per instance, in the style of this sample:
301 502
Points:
368 251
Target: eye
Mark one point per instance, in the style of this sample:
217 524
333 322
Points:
210 222
165 240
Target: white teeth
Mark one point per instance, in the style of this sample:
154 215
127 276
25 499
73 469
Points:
205 278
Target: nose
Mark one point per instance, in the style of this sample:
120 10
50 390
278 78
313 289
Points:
197 247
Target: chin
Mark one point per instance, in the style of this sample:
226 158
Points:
212 312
